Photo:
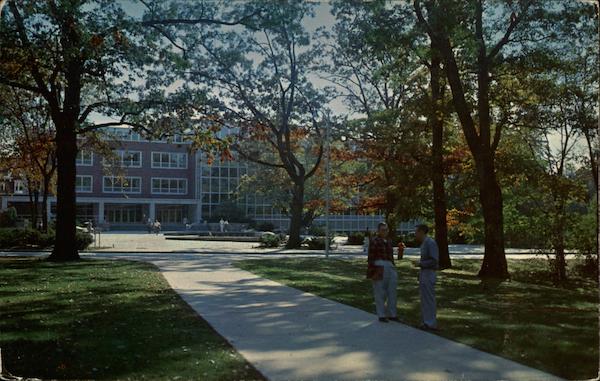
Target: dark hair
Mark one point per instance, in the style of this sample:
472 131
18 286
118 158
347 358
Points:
422 227
380 225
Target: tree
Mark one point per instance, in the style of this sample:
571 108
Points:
89 66
380 61
29 149
370 64
260 78
469 42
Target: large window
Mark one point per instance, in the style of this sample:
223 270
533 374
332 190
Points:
84 158
119 133
126 214
83 184
129 159
112 184
171 214
169 186
169 160
176 138
19 187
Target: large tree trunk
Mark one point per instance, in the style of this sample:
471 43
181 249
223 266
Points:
65 248
296 207
490 195
34 210
45 190
437 173
33 195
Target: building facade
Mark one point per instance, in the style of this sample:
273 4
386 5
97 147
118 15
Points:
165 180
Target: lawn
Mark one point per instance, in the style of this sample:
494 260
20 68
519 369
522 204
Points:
527 319
103 319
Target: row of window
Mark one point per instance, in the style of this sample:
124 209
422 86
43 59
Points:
132 184
127 134
133 159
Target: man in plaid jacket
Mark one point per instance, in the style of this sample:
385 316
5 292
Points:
382 271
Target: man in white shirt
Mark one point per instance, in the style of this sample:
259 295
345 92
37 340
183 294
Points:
428 265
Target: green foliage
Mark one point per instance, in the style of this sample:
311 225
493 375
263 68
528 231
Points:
317 230
270 240
583 233
265 226
356 238
20 238
8 218
83 240
26 238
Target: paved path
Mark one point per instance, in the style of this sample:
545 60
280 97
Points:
291 335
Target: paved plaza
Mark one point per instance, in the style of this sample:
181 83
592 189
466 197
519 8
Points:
144 243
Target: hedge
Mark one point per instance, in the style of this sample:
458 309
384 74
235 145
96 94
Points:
27 238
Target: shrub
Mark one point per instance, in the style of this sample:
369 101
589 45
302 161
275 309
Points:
356 238
18 238
317 243
316 230
270 240
8 218
265 227
83 240
46 239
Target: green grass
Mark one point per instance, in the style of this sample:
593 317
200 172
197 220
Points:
527 319
102 319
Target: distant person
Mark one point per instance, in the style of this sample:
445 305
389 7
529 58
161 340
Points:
428 265
366 242
401 247
157 227
222 225
382 271
150 225
226 225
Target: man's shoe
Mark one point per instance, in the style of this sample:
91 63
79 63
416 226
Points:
425 327
383 320
394 319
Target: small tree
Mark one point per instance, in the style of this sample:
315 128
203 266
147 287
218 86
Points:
29 148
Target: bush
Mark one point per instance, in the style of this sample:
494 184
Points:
265 227
356 238
317 243
316 230
8 218
17 238
83 240
270 240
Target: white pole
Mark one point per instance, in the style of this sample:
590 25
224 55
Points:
327 186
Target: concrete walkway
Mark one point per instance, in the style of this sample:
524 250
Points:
291 335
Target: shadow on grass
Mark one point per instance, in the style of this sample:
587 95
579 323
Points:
99 319
527 319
